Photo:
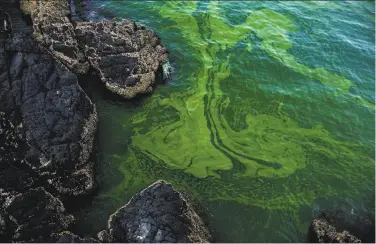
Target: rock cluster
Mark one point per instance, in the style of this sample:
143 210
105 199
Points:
156 214
48 124
126 56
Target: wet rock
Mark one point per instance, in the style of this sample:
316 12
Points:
35 215
156 214
322 231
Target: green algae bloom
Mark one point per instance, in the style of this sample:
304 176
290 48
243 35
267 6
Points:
235 145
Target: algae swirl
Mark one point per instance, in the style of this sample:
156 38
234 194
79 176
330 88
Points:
233 145
201 142
262 164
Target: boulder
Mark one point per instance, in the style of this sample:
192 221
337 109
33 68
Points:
156 214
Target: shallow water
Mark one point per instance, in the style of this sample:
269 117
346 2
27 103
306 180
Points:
268 118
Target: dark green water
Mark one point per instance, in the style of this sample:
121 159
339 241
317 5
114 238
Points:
269 116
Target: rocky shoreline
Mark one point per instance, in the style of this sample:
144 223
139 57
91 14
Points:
48 126
48 123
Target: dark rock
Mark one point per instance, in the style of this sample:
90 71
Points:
68 237
156 214
59 119
36 215
321 231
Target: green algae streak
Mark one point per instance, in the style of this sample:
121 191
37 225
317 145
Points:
199 141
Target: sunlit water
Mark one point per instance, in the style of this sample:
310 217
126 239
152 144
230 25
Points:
268 118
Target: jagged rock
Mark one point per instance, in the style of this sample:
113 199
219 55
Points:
54 30
35 215
156 214
321 231
126 56
69 237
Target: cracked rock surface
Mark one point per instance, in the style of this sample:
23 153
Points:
156 214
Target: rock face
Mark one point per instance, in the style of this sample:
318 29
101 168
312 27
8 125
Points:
156 214
322 231
126 56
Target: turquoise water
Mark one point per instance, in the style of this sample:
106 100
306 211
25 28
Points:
268 118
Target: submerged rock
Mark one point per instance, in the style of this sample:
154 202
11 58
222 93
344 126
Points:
323 232
156 214
343 218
